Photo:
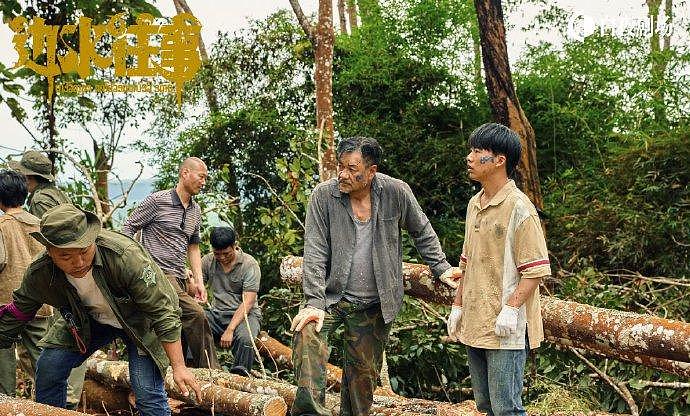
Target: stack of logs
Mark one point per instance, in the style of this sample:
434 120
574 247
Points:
227 393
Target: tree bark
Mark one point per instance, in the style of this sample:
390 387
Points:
352 15
626 332
321 39
342 17
323 78
503 99
678 368
97 397
11 406
102 168
213 397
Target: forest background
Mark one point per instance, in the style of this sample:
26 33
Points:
610 114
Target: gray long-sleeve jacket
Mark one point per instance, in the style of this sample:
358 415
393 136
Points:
329 242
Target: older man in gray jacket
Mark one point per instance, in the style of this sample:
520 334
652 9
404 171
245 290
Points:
353 275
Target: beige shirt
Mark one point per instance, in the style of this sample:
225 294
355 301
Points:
17 249
504 242
92 297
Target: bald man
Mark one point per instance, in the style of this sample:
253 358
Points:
170 221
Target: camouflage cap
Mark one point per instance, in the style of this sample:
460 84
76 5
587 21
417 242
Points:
34 163
66 226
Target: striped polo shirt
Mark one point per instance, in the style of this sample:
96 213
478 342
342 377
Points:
504 243
167 229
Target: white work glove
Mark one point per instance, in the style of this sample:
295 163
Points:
507 320
451 277
453 322
306 315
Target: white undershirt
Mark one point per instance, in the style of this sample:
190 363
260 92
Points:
93 299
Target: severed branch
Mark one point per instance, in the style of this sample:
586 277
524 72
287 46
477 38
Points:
123 200
303 21
617 386
273 191
665 385
84 171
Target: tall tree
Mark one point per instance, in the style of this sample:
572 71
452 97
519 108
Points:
342 17
322 38
658 54
352 14
505 106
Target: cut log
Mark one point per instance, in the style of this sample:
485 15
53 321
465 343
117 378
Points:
98 398
626 332
213 397
16 407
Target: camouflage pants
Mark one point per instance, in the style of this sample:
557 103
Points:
365 339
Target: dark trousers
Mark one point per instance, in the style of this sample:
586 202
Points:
241 346
54 366
195 329
28 355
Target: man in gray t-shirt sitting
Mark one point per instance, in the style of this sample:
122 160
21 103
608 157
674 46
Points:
233 277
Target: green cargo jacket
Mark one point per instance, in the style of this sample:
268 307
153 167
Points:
140 295
45 197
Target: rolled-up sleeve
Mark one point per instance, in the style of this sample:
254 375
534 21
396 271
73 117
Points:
532 257
317 249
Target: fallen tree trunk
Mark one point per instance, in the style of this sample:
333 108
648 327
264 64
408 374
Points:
213 397
12 406
678 368
626 332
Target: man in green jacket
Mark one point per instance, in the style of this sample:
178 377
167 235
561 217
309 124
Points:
38 170
105 286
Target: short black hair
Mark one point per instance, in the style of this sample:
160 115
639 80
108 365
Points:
222 237
500 140
13 188
369 148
